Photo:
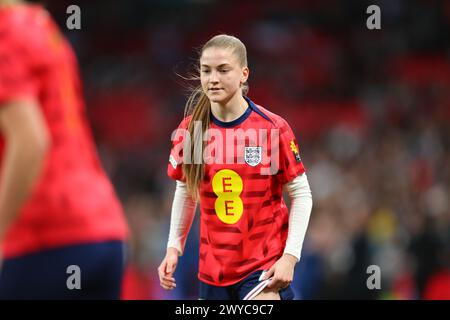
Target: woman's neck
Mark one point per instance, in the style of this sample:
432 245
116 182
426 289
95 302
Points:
5 3
231 110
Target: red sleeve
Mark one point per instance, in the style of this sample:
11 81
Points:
291 164
16 80
174 167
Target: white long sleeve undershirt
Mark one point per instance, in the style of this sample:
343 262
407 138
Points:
301 206
183 211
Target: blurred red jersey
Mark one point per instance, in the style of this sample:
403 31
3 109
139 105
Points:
244 220
73 201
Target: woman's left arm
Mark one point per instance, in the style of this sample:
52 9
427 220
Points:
301 205
27 141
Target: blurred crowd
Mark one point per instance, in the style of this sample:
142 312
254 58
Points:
370 110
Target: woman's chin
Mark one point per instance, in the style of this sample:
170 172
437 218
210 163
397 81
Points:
217 98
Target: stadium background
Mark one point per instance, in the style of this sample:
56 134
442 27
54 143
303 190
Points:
370 109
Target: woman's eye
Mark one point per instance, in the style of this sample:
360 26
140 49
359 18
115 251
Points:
223 71
205 71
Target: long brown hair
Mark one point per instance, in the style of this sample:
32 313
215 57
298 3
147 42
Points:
198 107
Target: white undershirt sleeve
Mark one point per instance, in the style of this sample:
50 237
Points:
182 216
301 206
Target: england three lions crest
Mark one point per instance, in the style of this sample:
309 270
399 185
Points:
252 156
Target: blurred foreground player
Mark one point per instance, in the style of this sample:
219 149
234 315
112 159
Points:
58 210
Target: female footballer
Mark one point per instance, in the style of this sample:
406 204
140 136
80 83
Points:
235 158
62 228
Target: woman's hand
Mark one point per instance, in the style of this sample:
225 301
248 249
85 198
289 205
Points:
167 268
282 272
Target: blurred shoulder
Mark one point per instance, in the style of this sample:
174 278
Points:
23 21
28 32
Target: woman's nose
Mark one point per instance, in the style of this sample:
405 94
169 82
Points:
214 77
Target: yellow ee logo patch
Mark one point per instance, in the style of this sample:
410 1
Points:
228 186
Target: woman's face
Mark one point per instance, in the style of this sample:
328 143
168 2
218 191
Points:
221 75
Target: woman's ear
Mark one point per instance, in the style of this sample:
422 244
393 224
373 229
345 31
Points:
245 74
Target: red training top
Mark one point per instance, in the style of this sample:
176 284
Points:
244 220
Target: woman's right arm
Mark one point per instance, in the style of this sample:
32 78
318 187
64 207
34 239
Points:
182 216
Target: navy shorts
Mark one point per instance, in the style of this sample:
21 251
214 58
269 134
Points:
48 274
239 290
